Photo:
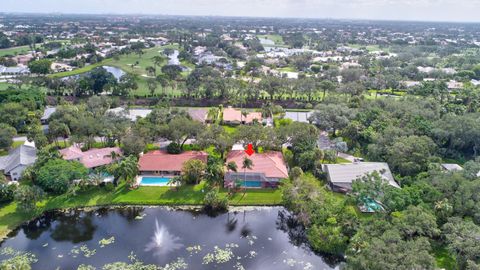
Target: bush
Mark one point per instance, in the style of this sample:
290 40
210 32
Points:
27 197
7 192
109 187
174 148
57 174
212 201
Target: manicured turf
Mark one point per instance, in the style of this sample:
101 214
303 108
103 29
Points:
135 64
187 195
14 50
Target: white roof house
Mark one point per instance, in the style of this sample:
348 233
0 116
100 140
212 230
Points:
341 176
451 167
131 114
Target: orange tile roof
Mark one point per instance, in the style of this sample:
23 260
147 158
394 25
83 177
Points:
234 115
92 158
162 161
269 163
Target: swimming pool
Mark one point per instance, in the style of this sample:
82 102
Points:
154 181
252 184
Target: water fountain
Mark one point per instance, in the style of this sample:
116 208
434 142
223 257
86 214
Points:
163 242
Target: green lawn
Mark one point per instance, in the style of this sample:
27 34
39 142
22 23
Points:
14 50
229 129
187 195
79 70
135 64
275 38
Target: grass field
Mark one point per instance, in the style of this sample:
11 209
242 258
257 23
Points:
275 38
134 64
10 218
14 50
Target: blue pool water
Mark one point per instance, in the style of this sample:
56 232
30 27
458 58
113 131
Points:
152 180
252 184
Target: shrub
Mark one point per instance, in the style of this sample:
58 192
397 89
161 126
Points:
57 174
174 148
109 187
212 201
27 197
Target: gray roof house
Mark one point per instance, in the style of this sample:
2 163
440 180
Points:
17 161
341 176
47 113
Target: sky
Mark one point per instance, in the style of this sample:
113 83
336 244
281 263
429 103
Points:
418 10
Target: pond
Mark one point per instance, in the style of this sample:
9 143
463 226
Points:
255 238
173 58
117 72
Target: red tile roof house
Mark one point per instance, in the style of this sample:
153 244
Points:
234 117
92 158
267 170
164 164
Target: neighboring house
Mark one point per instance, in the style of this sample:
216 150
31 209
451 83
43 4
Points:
47 113
235 117
18 160
198 114
164 164
92 158
267 170
450 167
14 70
132 114
341 176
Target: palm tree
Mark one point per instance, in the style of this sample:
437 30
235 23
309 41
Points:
151 70
174 182
157 60
213 114
126 170
247 164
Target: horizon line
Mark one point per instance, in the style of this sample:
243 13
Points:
233 16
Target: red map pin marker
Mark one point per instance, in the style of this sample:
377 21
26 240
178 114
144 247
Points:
250 150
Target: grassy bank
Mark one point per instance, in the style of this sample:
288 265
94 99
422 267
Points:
10 218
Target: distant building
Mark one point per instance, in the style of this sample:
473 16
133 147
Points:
341 176
19 70
47 113
235 117
14 164
451 167
267 170
132 114
92 158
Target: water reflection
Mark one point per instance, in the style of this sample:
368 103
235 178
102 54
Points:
162 241
75 226
231 224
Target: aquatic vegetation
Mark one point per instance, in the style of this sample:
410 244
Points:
140 217
17 259
176 265
194 249
251 239
87 253
238 266
219 255
252 254
105 242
